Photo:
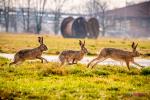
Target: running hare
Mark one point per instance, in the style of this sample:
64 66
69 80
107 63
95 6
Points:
117 54
71 55
28 54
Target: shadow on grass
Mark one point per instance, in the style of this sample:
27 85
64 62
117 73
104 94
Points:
145 71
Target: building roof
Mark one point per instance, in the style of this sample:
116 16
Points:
136 10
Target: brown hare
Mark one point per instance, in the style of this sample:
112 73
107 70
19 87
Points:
117 54
73 56
29 54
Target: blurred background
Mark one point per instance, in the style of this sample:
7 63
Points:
76 18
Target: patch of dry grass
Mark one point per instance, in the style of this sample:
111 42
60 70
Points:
11 43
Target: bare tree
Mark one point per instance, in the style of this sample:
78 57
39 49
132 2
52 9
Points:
1 10
39 12
26 15
24 20
58 7
103 6
92 8
6 10
98 9
80 9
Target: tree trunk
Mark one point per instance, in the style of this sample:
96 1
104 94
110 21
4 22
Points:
7 19
56 23
28 16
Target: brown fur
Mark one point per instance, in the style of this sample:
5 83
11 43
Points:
73 56
117 54
29 54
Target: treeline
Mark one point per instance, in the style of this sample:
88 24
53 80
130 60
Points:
31 15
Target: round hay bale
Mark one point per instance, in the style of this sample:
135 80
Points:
66 27
79 27
93 28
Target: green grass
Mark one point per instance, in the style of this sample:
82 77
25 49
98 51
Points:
11 43
36 81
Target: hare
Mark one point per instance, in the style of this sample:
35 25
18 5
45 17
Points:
29 54
117 54
71 55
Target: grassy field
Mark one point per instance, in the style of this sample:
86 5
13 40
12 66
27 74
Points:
36 81
10 43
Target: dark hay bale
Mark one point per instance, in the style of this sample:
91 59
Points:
79 28
66 27
93 28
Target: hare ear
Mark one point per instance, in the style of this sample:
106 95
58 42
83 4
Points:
80 42
133 45
84 43
40 40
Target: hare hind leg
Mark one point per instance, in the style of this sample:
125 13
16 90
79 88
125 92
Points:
12 63
100 60
96 59
62 62
88 65
16 62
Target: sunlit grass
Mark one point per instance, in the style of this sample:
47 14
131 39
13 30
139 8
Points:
34 80
11 43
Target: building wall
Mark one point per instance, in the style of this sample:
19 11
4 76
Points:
133 20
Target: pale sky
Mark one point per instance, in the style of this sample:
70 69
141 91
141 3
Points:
112 3
73 5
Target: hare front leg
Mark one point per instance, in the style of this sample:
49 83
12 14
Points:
68 61
74 61
45 60
137 64
41 58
